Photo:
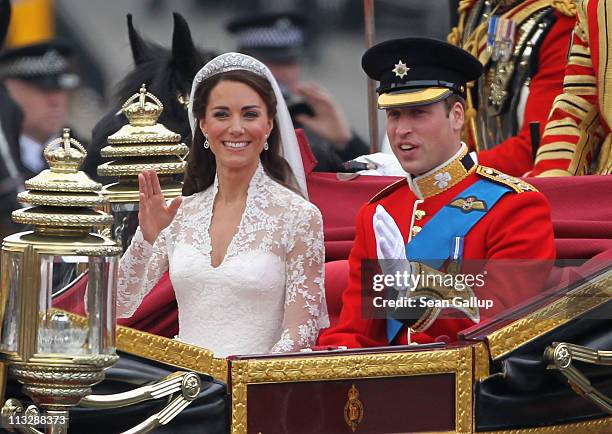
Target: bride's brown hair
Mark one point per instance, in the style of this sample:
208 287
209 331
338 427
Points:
201 163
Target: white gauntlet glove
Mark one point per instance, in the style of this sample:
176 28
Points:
391 252
390 247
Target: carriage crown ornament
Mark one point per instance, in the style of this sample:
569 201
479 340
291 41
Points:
58 356
57 302
142 144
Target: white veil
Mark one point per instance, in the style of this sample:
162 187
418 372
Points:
289 146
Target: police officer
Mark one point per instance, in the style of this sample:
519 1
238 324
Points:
278 40
39 78
447 211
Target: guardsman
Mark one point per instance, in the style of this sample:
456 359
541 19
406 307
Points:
447 212
577 138
523 46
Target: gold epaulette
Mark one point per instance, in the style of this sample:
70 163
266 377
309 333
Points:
518 185
387 190
566 7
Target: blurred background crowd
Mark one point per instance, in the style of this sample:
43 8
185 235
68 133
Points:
334 37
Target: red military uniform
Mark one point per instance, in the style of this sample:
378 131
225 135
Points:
578 129
517 227
540 68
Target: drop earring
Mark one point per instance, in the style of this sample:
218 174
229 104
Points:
266 146
206 144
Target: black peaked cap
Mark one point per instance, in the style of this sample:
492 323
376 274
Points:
417 71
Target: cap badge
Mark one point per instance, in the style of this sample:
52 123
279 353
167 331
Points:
400 69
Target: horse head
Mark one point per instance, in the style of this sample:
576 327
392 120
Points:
167 73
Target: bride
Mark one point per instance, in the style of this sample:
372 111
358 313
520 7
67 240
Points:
244 248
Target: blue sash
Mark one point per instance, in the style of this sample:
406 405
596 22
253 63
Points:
445 230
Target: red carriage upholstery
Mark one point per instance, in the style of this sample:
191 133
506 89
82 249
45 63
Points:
336 279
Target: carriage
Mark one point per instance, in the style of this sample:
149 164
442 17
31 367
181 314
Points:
512 373
542 366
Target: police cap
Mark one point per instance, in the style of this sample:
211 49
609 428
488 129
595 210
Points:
45 64
271 37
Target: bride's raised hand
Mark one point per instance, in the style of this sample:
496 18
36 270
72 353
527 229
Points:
154 214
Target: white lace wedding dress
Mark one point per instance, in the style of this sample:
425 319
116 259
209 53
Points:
266 295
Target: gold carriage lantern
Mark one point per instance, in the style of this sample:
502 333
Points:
56 355
141 144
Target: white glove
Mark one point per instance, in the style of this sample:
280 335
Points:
390 247
389 239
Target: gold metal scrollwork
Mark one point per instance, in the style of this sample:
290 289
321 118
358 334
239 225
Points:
561 355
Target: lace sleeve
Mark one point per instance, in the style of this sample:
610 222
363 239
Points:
305 307
140 268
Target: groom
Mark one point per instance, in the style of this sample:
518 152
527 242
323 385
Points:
448 212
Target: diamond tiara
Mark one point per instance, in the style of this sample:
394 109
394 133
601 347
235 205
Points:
230 62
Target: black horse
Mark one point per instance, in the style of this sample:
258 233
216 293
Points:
167 73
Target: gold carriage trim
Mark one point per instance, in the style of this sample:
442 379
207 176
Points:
49 199
30 216
117 169
293 369
482 368
119 193
586 297
597 426
171 352
179 150
150 134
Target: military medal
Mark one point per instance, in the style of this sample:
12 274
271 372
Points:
500 38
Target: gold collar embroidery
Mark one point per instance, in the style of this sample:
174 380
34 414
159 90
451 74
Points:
443 177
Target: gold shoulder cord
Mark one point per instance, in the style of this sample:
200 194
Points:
566 7
456 34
